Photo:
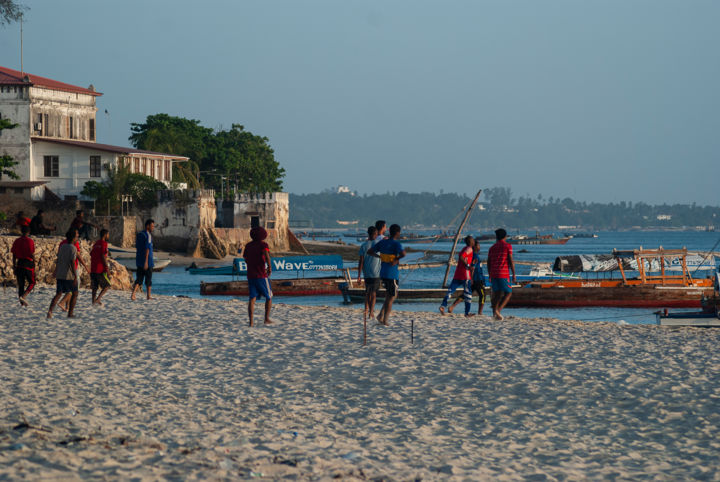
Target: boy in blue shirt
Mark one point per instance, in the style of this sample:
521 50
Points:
144 261
390 251
369 266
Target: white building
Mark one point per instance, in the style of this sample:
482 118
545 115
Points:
54 142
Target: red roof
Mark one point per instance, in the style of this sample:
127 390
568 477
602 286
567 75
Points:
15 77
105 147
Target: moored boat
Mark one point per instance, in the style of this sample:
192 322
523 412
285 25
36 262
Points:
129 262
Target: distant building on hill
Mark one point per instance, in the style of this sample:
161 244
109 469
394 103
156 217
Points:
54 143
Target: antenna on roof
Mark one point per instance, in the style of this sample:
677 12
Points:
21 44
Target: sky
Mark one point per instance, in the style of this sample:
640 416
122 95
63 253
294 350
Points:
595 100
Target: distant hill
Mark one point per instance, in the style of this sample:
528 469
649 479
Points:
497 207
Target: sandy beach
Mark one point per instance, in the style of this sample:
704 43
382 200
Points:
181 388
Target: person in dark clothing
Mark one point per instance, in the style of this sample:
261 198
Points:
82 226
259 267
38 226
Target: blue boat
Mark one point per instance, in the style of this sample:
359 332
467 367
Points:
330 262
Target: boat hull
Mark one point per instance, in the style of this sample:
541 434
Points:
130 263
280 287
557 297
700 318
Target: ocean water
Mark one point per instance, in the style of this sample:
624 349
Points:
174 280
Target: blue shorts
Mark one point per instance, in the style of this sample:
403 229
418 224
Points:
259 287
500 285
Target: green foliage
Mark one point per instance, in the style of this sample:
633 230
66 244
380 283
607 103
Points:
10 11
120 180
499 209
234 157
7 164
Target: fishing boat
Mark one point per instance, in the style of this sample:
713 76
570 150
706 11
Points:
298 286
646 290
538 239
708 316
129 262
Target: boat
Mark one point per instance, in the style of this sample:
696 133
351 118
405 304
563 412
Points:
305 286
709 316
538 239
327 285
645 291
580 235
129 262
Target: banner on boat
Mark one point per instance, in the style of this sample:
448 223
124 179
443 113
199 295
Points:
298 263
608 262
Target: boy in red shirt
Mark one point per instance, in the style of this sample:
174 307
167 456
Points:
23 251
462 277
257 258
99 267
499 260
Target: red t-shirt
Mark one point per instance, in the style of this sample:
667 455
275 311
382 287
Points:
498 259
99 249
463 272
77 246
22 222
255 260
23 248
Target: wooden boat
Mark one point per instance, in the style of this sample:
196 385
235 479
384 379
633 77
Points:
708 316
129 262
280 264
645 291
329 285
539 239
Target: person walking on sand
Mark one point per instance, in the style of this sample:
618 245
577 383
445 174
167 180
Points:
462 277
478 279
66 274
63 304
369 266
23 258
498 262
259 268
390 252
144 261
99 267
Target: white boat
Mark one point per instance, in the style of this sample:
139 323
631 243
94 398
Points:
129 262
698 318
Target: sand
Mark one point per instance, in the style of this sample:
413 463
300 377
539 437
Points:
182 388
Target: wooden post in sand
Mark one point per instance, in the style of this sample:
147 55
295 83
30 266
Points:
457 236
364 327
412 331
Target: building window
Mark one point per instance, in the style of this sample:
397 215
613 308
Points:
137 165
71 133
52 166
91 128
18 190
39 124
94 166
45 125
167 171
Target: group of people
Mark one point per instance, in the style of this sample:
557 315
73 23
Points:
66 272
470 276
380 257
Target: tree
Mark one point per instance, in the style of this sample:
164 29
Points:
7 163
121 181
235 154
10 11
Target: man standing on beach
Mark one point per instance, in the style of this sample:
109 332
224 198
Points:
462 278
66 274
369 266
498 261
390 252
259 268
478 279
99 267
144 260
23 256
37 225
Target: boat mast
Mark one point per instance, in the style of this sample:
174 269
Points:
457 236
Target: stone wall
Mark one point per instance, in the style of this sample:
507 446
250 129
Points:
46 256
179 217
123 229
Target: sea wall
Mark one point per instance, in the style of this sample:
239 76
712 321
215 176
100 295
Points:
45 257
